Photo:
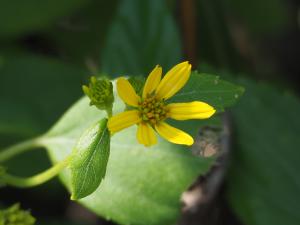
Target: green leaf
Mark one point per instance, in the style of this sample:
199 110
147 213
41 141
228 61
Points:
33 15
142 35
89 160
210 89
142 185
264 182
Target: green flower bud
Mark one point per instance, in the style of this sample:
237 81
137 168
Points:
100 92
16 216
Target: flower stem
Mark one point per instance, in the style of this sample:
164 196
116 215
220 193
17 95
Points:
109 112
38 179
18 149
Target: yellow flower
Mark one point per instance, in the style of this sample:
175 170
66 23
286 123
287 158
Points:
151 108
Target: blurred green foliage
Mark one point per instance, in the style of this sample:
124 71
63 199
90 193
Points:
263 181
16 216
80 38
34 91
49 48
260 17
227 29
20 17
142 35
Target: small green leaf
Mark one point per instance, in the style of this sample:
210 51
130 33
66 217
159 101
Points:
89 161
211 89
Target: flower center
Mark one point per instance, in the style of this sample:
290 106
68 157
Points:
152 110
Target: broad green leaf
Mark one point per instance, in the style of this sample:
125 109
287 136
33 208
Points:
26 16
89 160
142 185
211 89
142 35
264 182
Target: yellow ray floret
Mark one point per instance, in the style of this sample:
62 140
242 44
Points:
190 110
173 134
152 81
127 93
174 80
145 134
152 110
123 120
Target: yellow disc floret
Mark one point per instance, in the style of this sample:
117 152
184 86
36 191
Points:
152 110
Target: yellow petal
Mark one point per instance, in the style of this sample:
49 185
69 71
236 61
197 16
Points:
152 81
174 80
190 110
173 134
145 135
123 120
127 92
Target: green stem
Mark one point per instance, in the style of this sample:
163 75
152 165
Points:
18 149
37 179
109 111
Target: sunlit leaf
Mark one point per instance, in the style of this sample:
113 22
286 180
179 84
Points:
142 185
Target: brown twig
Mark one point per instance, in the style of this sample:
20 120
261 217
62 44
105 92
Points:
188 21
